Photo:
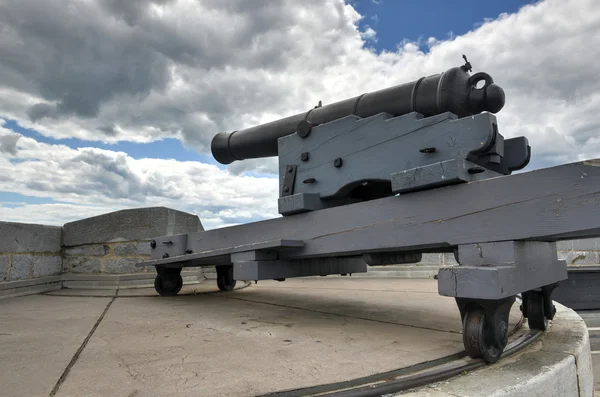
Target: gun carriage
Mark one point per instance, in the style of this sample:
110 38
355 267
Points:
381 178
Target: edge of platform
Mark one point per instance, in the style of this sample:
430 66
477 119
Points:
558 364
89 281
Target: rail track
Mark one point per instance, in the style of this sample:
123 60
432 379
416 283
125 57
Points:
403 379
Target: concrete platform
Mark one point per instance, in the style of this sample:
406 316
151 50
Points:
260 339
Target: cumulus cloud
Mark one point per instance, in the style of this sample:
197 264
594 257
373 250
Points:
369 34
144 69
90 181
8 142
163 68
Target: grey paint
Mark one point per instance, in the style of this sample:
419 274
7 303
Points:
274 269
580 291
177 245
23 237
266 255
128 225
439 174
392 258
502 269
173 246
548 204
412 151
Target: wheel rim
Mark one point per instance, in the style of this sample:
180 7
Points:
479 342
536 316
225 280
168 286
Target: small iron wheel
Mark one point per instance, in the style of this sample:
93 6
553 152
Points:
168 284
479 339
225 280
536 315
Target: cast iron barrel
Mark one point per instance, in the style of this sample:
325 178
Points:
453 91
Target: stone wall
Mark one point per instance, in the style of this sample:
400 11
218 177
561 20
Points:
580 252
29 251
114 243
110 258
111 243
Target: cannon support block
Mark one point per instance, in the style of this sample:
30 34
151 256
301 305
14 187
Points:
354 159
500 269
280 269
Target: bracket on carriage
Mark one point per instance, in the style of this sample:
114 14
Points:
498 270
486 282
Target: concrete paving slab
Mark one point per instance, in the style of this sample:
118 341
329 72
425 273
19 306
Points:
83 292
38 337
218 345
263 338
415 303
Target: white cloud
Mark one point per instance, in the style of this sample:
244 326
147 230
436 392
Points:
369 34
193 70
91 181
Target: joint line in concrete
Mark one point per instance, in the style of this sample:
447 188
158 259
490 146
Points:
65 373
334 314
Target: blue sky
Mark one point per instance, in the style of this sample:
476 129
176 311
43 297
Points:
169 148
395 20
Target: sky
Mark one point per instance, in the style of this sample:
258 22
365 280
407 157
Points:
107 105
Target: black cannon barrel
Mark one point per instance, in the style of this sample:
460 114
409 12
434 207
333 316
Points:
453 91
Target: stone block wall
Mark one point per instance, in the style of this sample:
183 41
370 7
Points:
29 251
111 243
114 243
582 252
110 258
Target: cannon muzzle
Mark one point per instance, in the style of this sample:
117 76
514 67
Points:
453 91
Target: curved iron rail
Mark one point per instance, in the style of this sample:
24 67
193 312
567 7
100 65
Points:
410 377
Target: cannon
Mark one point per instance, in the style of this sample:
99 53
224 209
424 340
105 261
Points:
437 130
381 178
453 91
